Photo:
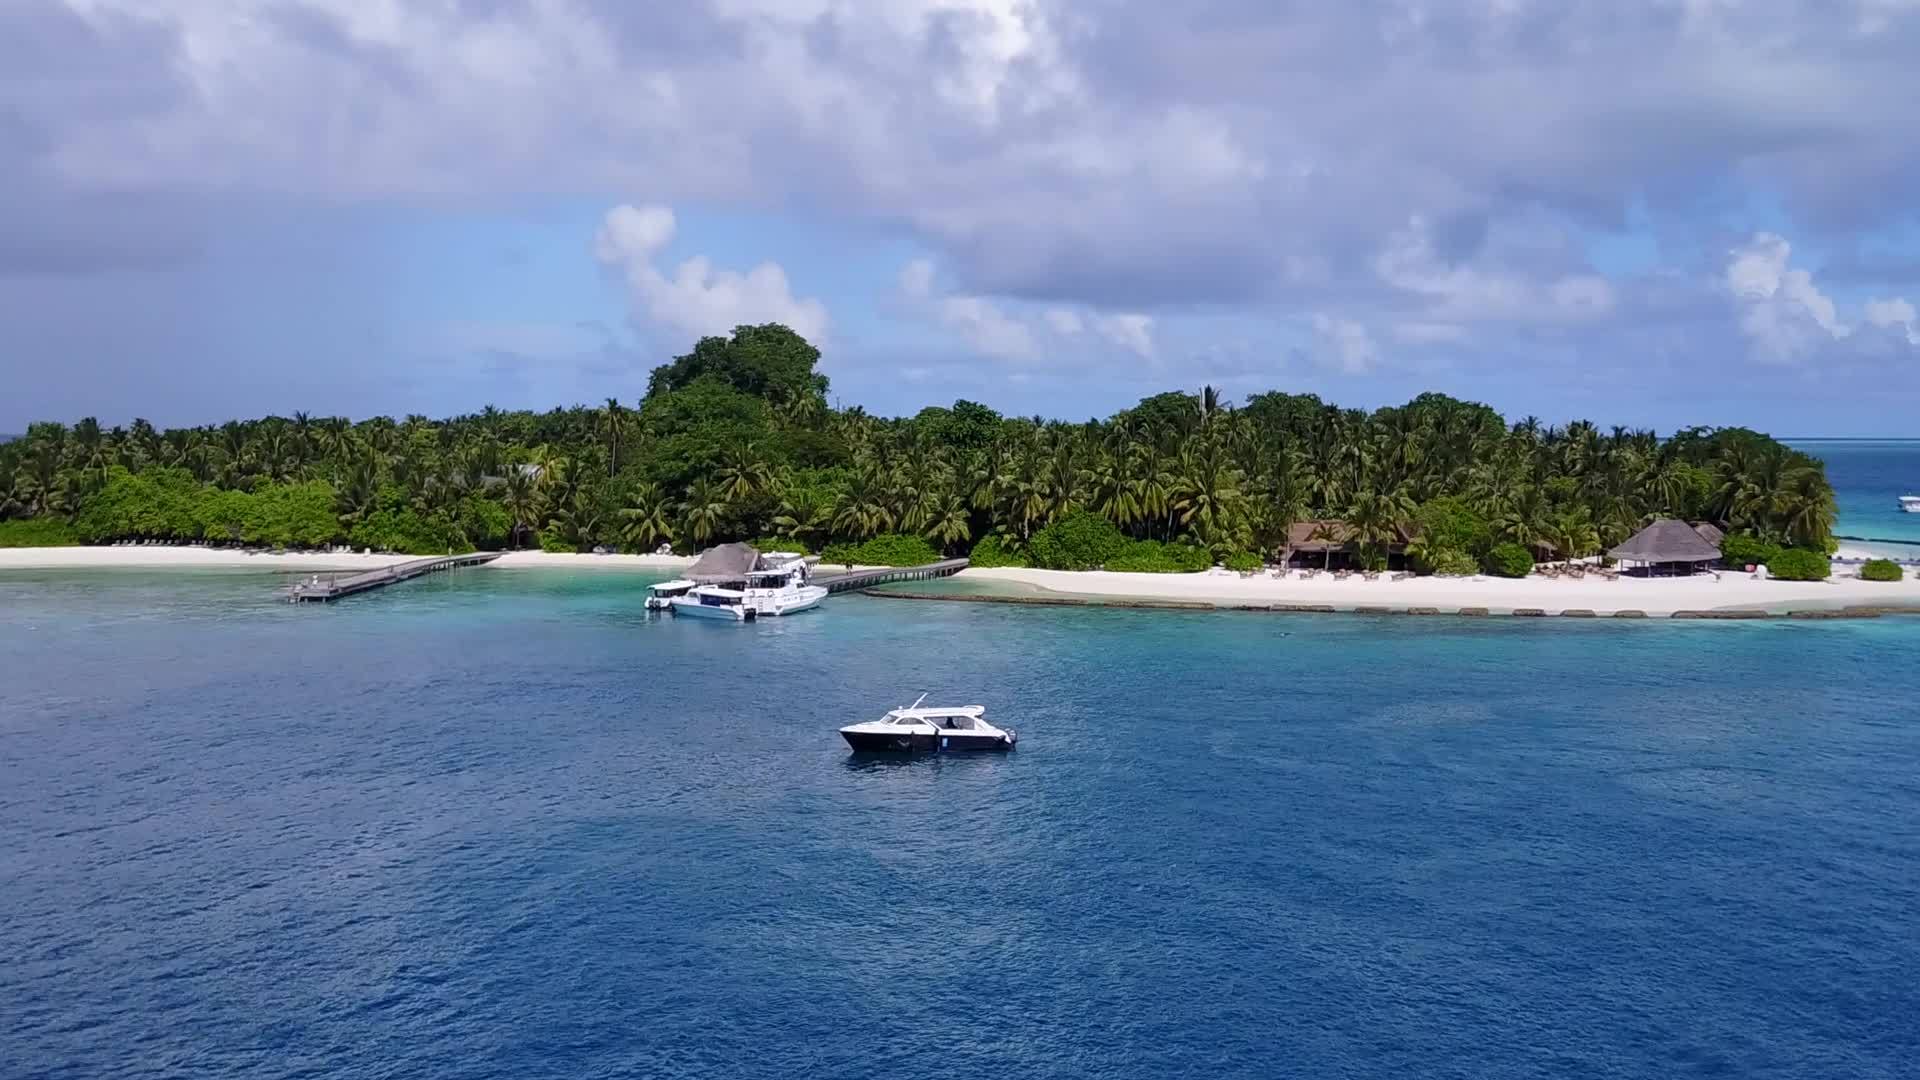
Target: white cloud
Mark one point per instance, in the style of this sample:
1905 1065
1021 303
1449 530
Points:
698 298
999 331
978 321
1894 313
1783 312
1458 293
1348 344
1129 330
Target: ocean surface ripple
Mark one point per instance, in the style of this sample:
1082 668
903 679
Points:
499 824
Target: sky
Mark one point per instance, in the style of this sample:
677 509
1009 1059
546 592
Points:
1643 212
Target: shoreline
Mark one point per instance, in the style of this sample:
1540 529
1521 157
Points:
179 557
1730 595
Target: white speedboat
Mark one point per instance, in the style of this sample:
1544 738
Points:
783 588
1910 503
713 602
930 730
660 597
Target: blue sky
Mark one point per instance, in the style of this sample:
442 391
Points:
1650 213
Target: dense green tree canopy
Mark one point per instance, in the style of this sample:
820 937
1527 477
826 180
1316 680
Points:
769 362
735 441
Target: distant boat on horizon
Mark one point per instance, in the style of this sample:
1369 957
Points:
1910 503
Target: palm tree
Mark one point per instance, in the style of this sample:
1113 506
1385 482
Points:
704 510
645 520
521 493
1574 534
1328 533
952 522
610 422
743 473
861 511
1378 519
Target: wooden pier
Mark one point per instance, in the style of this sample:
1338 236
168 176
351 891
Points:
322 588
867 579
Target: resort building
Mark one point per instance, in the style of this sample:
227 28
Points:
1670 547
1329 542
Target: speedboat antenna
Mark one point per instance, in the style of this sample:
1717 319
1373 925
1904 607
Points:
917 701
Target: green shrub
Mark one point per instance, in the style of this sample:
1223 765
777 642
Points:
1882 570
1799 564
37 532
993 551
889 549
780 543
1741 550
401 530
1243 562
1153 557
552 541
1079 541
1510 560
1449 524
1448 562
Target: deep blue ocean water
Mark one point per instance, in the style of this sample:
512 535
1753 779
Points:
1868 478
498 824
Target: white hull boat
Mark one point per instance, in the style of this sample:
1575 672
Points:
1910 503
929 731
660 597
713 602
783 589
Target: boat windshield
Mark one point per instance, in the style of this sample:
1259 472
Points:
952 722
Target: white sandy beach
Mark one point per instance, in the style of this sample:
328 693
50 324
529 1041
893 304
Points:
163 557
1655 597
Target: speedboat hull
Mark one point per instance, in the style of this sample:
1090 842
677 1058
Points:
910 742
693 609
786 601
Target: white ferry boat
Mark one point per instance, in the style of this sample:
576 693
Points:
1910 503
713 602
783 587
660 597
929 730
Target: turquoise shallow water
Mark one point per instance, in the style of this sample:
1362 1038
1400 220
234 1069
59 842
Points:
499 824
1868 478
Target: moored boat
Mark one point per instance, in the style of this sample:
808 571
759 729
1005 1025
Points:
660 597
713 602
929 730
782 588
1910 503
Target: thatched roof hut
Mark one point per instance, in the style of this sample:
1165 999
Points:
724 564
1308 536
1667 541
1710 533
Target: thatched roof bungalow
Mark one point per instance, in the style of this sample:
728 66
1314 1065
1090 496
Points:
1669 545
725 564
1325 539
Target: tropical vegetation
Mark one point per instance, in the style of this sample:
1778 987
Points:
1798 564
736 440
1882 570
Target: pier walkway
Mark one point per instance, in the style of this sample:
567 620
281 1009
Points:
322 588
867 579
